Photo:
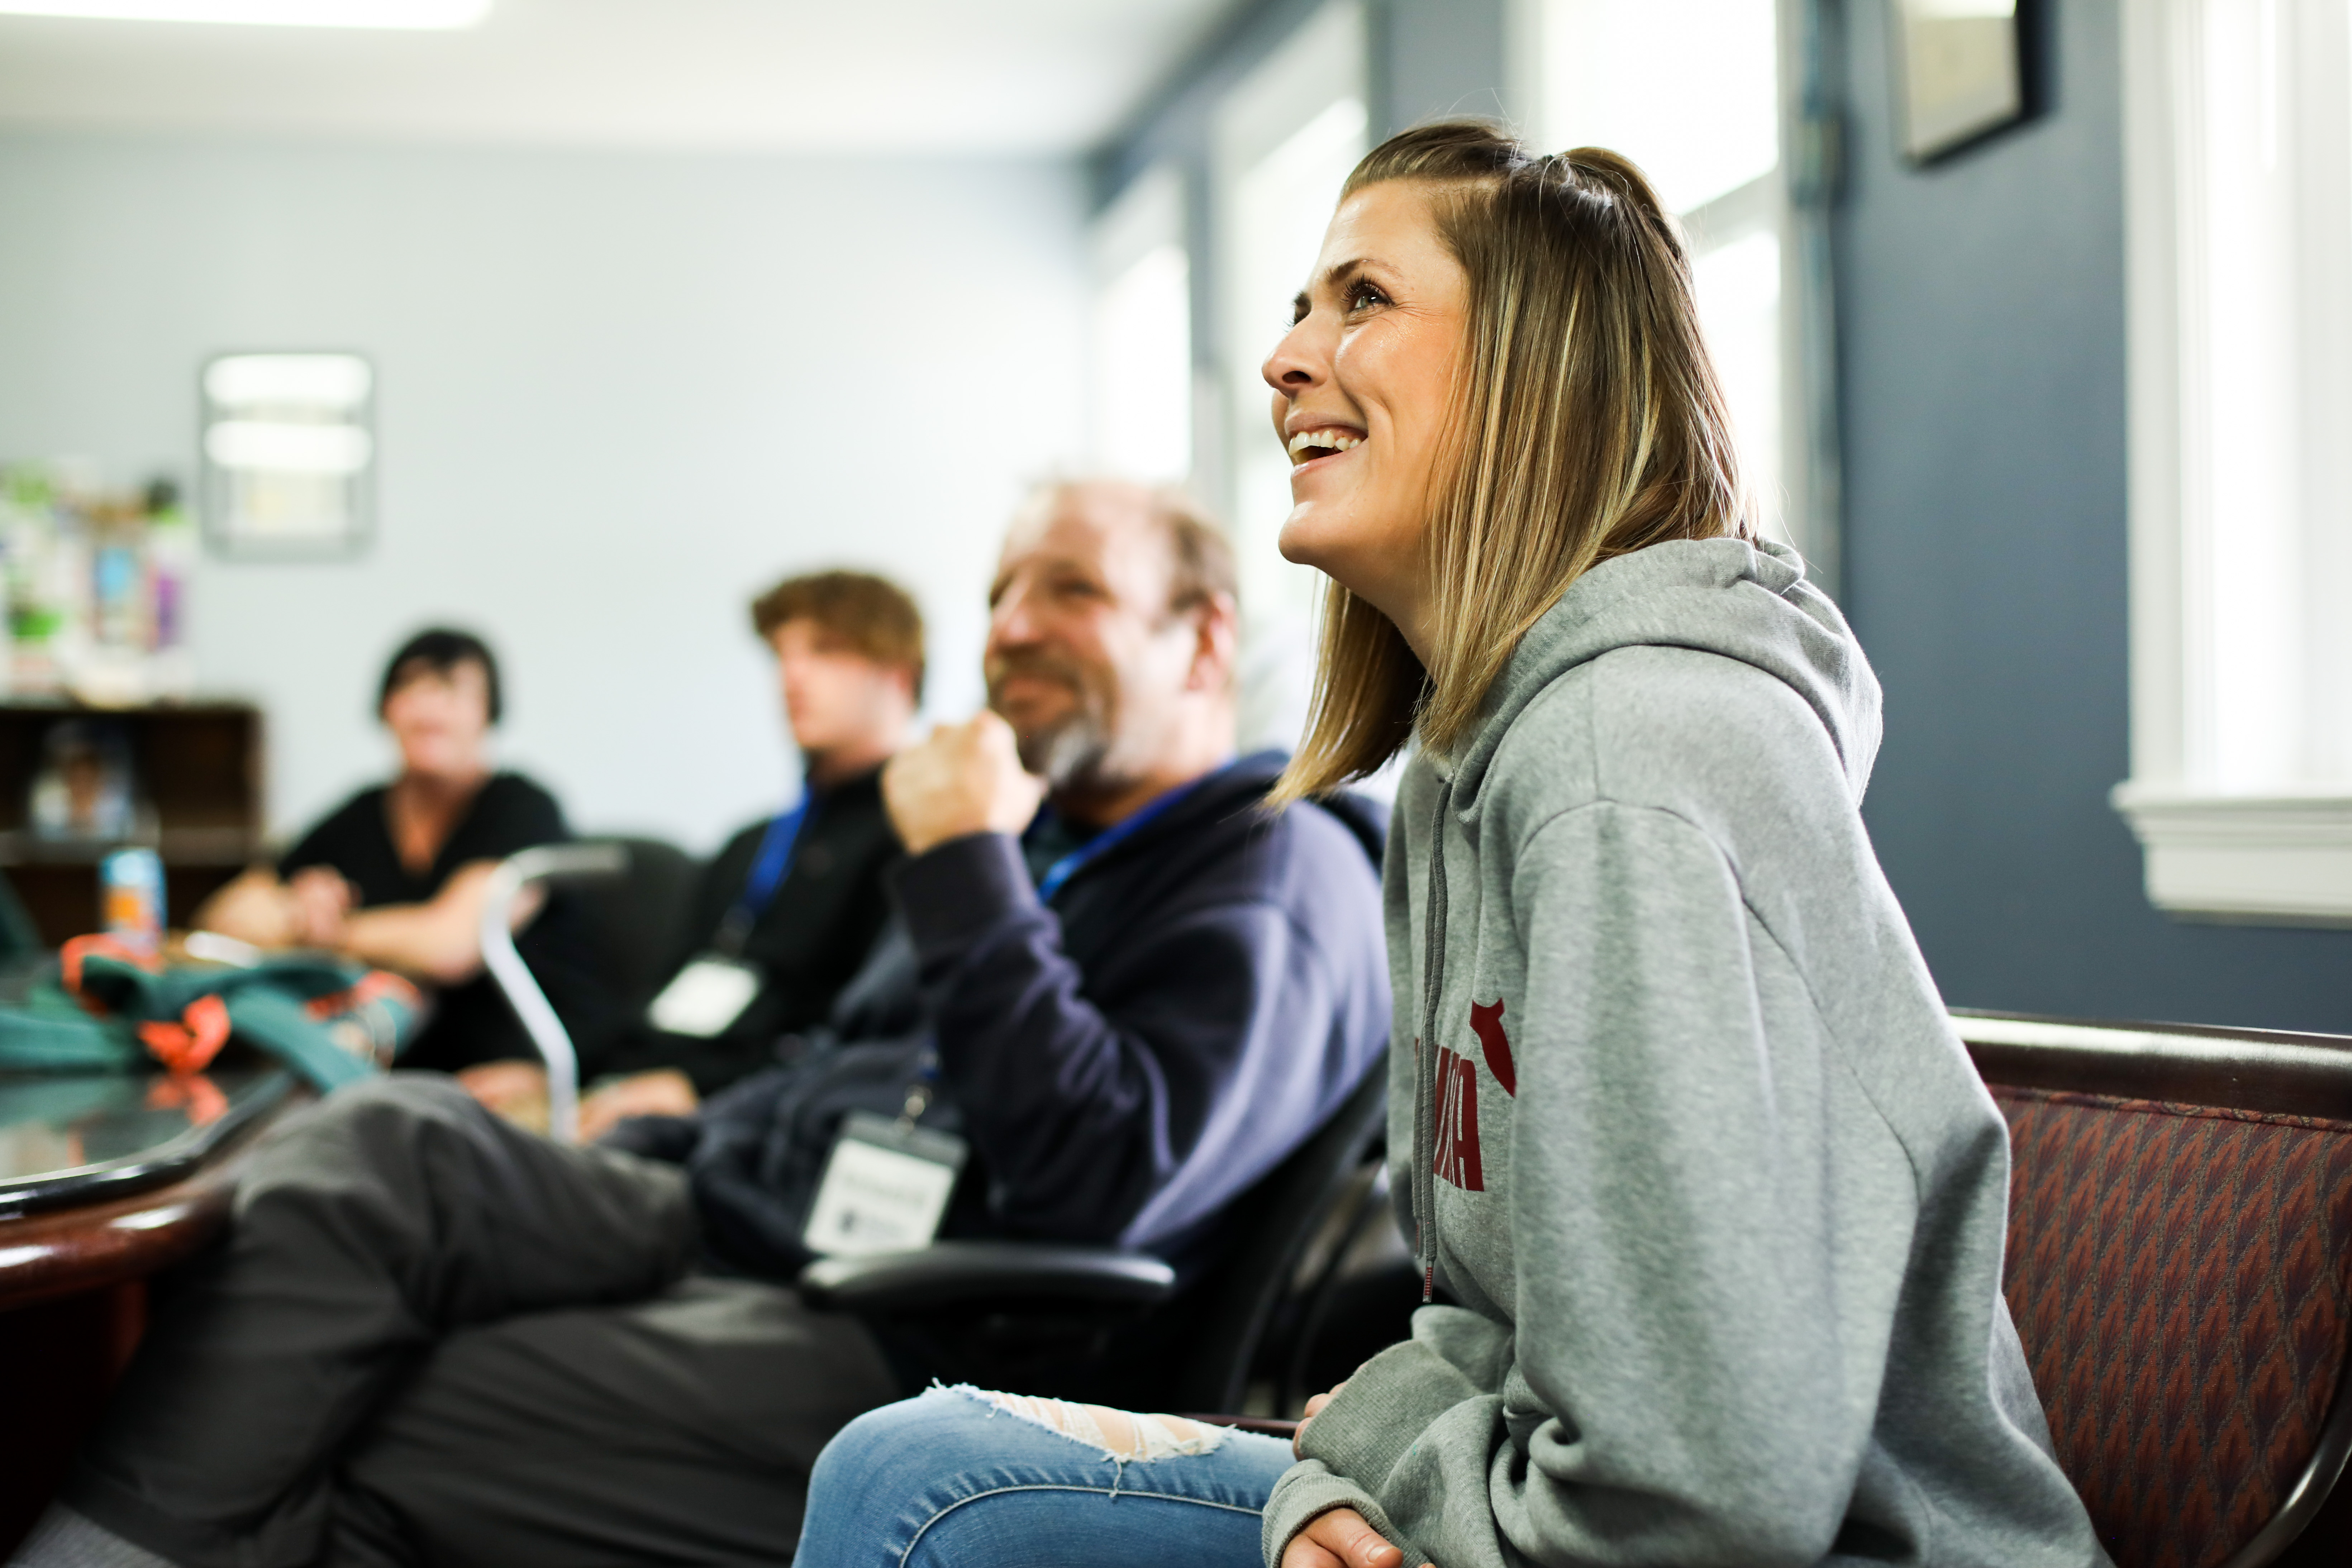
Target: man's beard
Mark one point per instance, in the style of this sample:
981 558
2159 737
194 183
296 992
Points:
1069 753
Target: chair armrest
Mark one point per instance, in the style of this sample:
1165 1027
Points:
547 863
954 1273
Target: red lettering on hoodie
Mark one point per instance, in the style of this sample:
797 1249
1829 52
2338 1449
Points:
1486 1023
1456 1158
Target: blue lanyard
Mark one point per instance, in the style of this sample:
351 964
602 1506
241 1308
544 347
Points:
768 869
1102 843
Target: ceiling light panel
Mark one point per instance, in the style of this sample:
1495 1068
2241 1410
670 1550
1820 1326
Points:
407 15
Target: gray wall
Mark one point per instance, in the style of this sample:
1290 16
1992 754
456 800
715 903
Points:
620 392
1981 322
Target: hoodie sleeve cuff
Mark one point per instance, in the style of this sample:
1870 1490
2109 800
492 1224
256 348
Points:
1386 1405
1306 1491
958 892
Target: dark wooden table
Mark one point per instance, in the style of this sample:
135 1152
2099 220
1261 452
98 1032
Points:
103 1184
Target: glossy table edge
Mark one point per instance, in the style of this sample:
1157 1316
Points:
84 1186
65 1251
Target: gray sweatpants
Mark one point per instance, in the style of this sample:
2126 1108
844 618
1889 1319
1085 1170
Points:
433 1338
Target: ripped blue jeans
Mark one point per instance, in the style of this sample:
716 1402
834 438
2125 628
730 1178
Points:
980 1480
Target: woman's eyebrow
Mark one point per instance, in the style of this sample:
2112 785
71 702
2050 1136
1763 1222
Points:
1333 276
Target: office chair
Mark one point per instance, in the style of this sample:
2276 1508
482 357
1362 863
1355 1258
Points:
1108 1323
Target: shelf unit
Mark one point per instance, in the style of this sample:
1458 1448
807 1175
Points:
197 769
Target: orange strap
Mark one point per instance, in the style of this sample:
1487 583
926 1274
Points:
190 1044
376 983
70 956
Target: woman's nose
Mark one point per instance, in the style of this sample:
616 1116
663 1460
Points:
1296 363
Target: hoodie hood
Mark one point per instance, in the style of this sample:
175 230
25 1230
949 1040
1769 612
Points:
1749 602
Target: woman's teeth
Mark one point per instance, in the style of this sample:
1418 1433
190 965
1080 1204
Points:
1310 445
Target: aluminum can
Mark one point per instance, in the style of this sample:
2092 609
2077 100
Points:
131 896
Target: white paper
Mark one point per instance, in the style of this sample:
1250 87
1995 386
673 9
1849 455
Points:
708 994
876 1200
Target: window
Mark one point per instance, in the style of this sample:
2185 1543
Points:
1142 347
2239 159
288 456
1692 91
1285 141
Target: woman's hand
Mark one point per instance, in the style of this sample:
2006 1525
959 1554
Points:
662 1093
317 902
440 941
1313 1408
514 1090
256 908
1341 1539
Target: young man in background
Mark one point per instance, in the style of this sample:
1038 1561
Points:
786 911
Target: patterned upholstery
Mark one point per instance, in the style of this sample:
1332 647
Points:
2179 1276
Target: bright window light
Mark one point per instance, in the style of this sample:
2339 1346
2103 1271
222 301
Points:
1144 325
1739 288
2248 365
1142 385
288 453
289 448
1280 207
339 381
1282 143
1687 89
418 14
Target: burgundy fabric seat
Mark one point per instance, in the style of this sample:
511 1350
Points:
2180 1271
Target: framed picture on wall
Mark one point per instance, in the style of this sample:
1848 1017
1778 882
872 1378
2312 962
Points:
289 454
1958 75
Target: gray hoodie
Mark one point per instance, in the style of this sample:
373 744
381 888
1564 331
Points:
1686 1129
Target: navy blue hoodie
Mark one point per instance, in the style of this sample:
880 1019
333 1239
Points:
1191 1004
1125 1057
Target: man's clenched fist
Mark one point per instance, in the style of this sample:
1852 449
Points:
962 778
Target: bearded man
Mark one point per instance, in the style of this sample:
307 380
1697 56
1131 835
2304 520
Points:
1120 994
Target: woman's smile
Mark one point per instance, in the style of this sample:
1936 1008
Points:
1320 444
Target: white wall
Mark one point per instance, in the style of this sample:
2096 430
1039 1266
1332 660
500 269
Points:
618 394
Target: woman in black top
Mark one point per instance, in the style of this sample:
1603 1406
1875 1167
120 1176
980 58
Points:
396 877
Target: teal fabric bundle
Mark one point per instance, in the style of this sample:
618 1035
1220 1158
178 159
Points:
97 1008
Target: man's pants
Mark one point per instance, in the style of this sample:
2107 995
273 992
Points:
433 1338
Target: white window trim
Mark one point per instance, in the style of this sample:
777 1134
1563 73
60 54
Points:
2276 857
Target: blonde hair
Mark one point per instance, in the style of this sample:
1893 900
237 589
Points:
1587 422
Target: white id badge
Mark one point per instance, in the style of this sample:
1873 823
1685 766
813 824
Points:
886 1187
708 994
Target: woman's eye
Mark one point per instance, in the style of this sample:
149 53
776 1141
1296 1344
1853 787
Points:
1363 296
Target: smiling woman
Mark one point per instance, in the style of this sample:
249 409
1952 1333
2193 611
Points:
1716 1198
1508 452
397 876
